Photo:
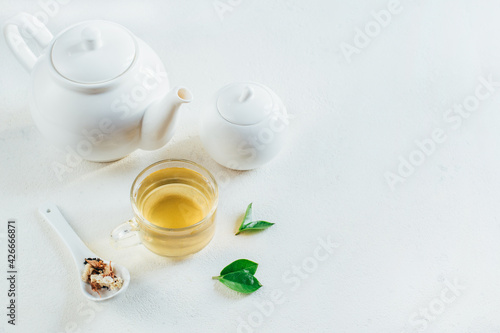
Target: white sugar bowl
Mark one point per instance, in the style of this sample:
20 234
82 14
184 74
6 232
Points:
245 126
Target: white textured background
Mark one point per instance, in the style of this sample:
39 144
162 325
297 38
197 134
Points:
352 121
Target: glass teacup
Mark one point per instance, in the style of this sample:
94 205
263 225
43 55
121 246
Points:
174 204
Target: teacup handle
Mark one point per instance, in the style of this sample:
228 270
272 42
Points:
126 234
32 27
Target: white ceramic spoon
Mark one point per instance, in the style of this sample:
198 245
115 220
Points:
79 251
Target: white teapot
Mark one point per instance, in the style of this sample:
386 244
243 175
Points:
97 88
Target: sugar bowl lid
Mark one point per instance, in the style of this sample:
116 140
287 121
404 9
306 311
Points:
244 103
93 52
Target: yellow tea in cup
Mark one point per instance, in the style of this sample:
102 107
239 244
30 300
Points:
174 203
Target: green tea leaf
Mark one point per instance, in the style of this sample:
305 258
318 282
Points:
240 265
248 214
255 225
238 276
248 224
241 281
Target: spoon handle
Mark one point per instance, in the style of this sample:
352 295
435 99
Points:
77 248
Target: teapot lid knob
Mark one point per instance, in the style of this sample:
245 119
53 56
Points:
91 37
245 103
246 94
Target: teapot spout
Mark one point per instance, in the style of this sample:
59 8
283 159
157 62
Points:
160 118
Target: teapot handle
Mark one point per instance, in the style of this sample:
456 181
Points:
27 25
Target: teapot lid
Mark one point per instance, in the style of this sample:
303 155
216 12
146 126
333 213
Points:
93 52
244 103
